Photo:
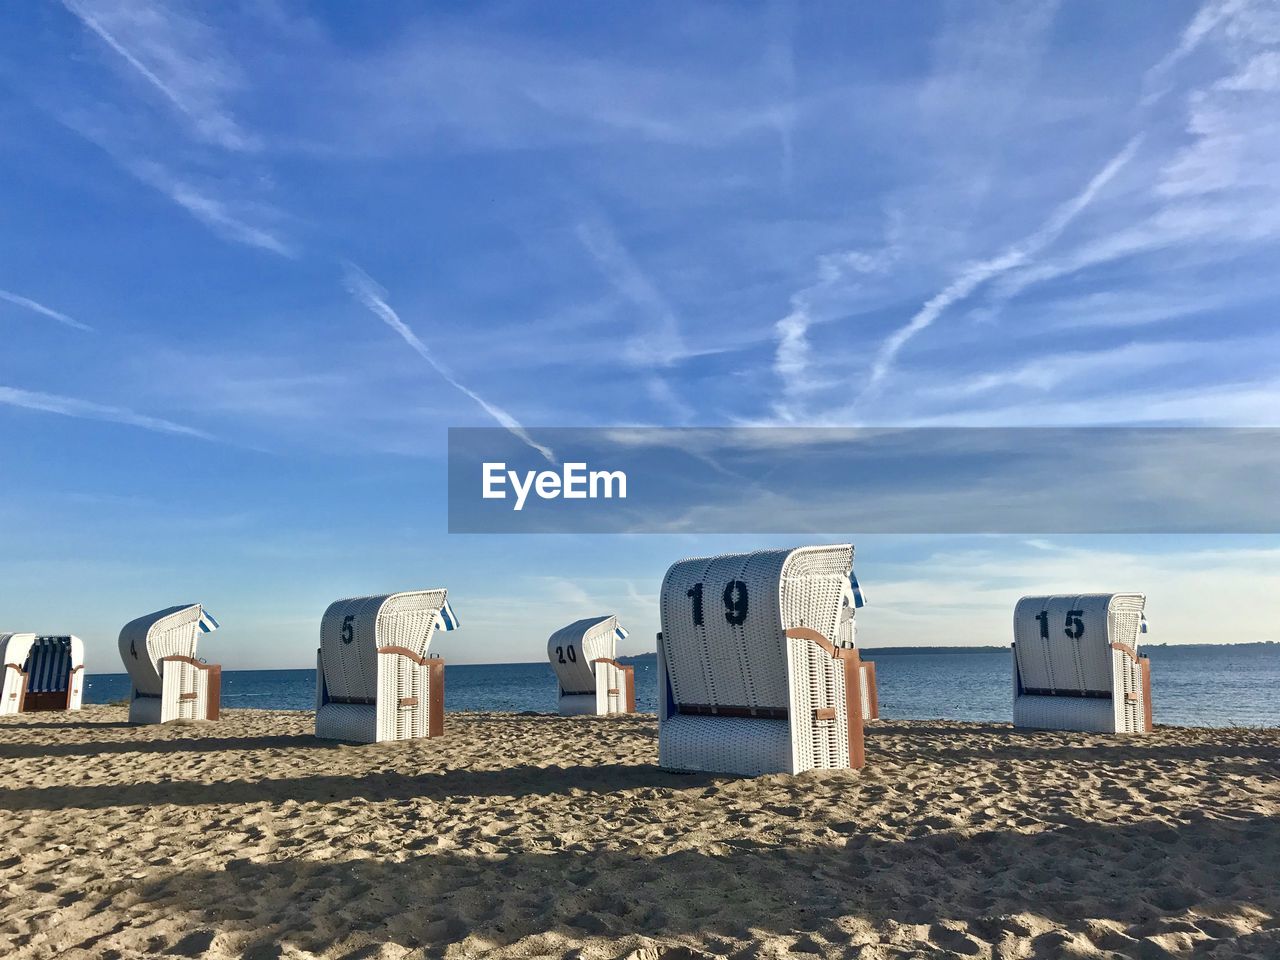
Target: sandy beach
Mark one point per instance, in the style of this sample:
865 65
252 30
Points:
531 836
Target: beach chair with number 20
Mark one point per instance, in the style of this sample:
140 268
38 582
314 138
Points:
590 679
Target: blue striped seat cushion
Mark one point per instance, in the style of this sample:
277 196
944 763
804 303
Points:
49 665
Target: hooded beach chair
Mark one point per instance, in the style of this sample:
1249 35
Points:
40 673
1076 664
169 682
757 669
590 679
374 680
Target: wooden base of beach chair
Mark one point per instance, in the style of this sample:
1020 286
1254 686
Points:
39 702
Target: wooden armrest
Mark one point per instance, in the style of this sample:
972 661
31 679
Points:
406 652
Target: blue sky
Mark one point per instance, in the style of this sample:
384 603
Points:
258 256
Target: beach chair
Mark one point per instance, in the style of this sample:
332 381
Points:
169 682
374 680
757 669
40 673
591 681
1076 664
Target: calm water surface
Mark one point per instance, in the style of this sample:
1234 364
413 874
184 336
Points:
1192 686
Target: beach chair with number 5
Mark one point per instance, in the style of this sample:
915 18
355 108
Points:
374 678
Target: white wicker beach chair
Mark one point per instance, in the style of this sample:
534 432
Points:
591 680
40 673
169 682
1076 664
757 669
374 680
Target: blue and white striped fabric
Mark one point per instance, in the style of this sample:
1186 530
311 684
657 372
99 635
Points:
49 665
858 600
620 633
448 619
207 623
1144 623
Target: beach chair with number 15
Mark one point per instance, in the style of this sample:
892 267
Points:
1076 664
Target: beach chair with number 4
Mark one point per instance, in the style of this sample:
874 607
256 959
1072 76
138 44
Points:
1076 664
757 669
591 680
374 678
168 681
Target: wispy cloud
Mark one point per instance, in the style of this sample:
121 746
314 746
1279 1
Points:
40 308
1217 195
1047 373
220 216
979 273
88 410
374 298
658 342
839 277
178 57
1156 81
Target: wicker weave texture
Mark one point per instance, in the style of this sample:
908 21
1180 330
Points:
366 696
579 705
171 632
185 693
746 747
355 722
13 645
612 687
352 630
165 689
724 646
145 710
1067 674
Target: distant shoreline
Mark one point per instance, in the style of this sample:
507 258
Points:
647 658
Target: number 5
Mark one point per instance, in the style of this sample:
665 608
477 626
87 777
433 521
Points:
348 631
1074 628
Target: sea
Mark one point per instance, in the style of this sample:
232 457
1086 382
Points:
1205 686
